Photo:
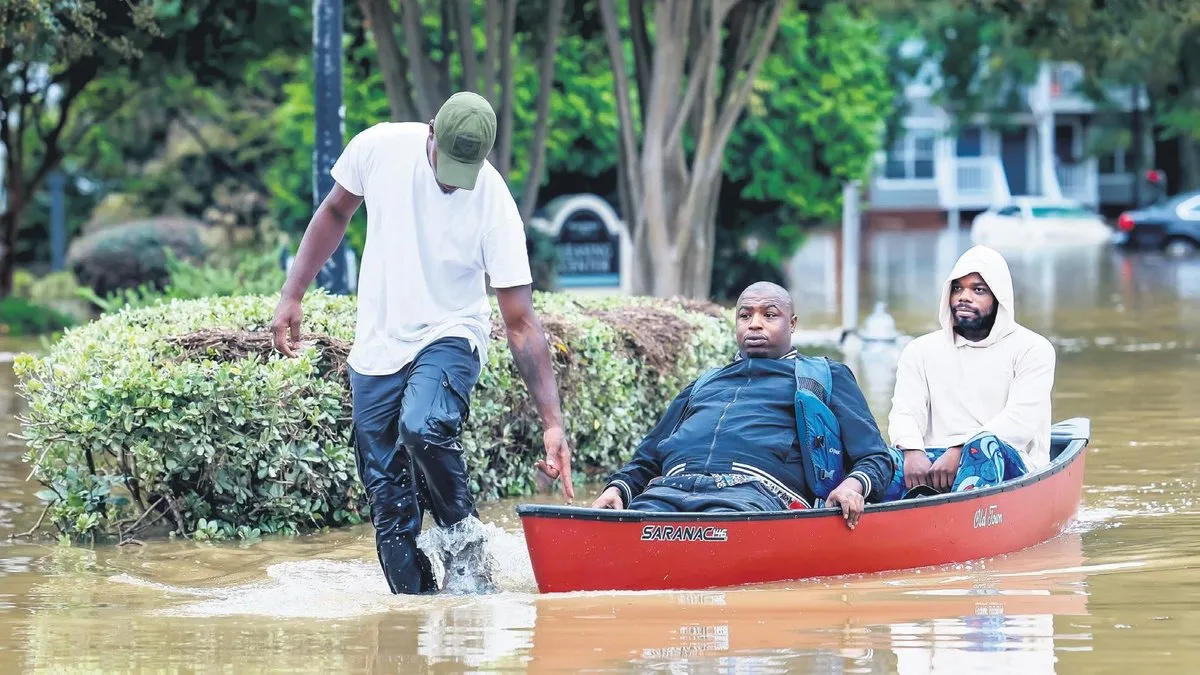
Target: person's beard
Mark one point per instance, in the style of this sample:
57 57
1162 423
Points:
976 327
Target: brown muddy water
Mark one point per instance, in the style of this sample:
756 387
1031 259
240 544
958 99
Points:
1118 593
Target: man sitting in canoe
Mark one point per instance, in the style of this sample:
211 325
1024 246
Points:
972 401
770 431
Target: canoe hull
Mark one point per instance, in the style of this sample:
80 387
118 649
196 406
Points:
580 549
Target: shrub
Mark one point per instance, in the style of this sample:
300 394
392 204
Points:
19 316
56 290
179 413
129 255
248 274
59 291
22 281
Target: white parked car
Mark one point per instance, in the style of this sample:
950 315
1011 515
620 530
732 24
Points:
1034 222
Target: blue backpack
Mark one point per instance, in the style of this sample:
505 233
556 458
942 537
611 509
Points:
820 434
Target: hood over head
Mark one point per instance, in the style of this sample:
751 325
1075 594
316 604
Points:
990 265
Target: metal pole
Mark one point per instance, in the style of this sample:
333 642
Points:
58 222
851 227
328 116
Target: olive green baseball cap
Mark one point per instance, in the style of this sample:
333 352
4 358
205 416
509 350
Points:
465 129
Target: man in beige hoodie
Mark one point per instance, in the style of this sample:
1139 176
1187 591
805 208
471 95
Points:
972 401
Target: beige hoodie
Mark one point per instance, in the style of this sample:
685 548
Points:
949 389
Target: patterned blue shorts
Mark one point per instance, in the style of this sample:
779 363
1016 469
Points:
986 461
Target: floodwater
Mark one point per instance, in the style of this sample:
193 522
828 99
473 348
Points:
1118 593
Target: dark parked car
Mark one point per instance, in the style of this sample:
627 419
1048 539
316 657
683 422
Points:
1171 225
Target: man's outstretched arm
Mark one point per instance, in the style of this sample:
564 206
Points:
531 353
321 239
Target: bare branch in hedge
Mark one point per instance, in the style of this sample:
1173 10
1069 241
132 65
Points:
30 531
125 534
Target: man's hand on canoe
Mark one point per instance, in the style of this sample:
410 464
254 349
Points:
849 496
609 499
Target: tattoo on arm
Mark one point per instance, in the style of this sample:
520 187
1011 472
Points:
532 357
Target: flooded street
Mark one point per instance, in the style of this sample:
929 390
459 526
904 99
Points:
1118 593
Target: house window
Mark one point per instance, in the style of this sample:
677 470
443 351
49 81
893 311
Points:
911 157
1113 162
970 142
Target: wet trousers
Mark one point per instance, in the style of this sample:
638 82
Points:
407 427
986 461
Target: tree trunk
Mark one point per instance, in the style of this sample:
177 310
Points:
668 276
679 188
504 136
12 135
628 163
533 178
491 23
419 98
642 265
10 223
639 36
423 72
466 42
391 60
697 280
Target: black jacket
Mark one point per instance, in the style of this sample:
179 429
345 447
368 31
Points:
744 421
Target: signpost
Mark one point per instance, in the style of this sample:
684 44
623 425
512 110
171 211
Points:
587 252
592 244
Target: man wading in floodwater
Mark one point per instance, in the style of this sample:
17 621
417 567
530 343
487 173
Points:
439 217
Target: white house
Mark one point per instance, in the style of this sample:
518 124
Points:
930 170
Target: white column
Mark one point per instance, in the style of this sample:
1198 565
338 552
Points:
1046 158
1043 111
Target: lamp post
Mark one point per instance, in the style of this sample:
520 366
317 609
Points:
851 236
328 115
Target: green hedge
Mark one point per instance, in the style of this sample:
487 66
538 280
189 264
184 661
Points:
178 415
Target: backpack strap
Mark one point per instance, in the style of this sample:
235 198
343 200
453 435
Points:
813 375
704 379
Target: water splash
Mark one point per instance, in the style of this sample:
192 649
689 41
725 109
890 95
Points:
503 565
338 589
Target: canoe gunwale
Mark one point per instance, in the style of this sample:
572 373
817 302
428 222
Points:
1079 433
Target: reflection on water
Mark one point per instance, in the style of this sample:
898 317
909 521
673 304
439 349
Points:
1116 593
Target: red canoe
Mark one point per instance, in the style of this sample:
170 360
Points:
584 549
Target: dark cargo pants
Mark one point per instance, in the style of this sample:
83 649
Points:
406 436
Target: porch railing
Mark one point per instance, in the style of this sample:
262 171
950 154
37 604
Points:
976 182
1080 182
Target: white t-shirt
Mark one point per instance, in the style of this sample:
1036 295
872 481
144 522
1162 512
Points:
426 252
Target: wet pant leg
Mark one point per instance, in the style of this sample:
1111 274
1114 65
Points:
387 472
406 429
436 404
